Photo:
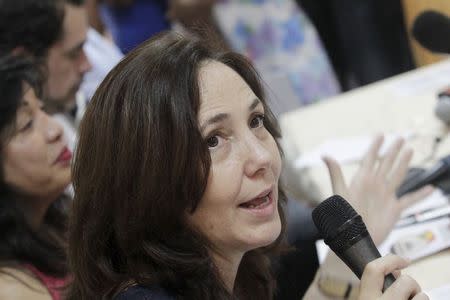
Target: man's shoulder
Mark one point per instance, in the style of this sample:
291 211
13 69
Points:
139 292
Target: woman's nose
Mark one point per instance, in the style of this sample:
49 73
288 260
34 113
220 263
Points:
84 65
258 157
54 130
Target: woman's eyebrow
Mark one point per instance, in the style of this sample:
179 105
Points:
24 103
223 116
254 104
215 119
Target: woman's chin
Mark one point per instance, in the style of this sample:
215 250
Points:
266 235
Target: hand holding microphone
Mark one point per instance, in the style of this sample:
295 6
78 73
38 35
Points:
345 233
372 280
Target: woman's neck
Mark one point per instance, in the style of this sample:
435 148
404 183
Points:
34 209
227 267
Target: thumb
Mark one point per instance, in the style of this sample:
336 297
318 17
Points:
373 276
336 176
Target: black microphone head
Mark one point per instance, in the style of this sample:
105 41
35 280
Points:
432 30
339 223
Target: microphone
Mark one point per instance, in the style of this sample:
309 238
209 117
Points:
432 30
346 234
431 176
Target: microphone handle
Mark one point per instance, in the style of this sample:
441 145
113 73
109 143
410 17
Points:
388 280
357 256
427 177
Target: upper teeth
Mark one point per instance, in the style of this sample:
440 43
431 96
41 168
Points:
266 199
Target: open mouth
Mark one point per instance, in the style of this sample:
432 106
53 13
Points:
258 203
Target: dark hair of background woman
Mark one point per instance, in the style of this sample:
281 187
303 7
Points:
19 243
141 166
34 25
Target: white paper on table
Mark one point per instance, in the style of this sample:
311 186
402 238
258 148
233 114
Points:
429 81
422 239
440 293
345 150
435 200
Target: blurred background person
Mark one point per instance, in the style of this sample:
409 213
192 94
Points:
35 170
131 22
284 46
56 32
366 40
65 24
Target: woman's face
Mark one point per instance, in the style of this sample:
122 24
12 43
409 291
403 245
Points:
238 211
36 157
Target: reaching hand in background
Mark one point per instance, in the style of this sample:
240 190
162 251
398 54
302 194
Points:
372 190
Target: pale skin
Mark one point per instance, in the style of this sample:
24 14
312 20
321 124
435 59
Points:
21 285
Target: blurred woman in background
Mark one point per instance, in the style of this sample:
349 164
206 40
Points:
35 171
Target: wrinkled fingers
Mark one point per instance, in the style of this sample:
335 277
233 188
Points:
372 279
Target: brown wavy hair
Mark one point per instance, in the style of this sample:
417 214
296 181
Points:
140 166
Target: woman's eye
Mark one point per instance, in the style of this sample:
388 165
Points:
257 121
27 126
42 106
212 141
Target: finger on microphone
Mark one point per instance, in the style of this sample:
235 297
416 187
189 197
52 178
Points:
372 279
397 273
405 287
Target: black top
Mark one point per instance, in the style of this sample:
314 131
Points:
144 293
